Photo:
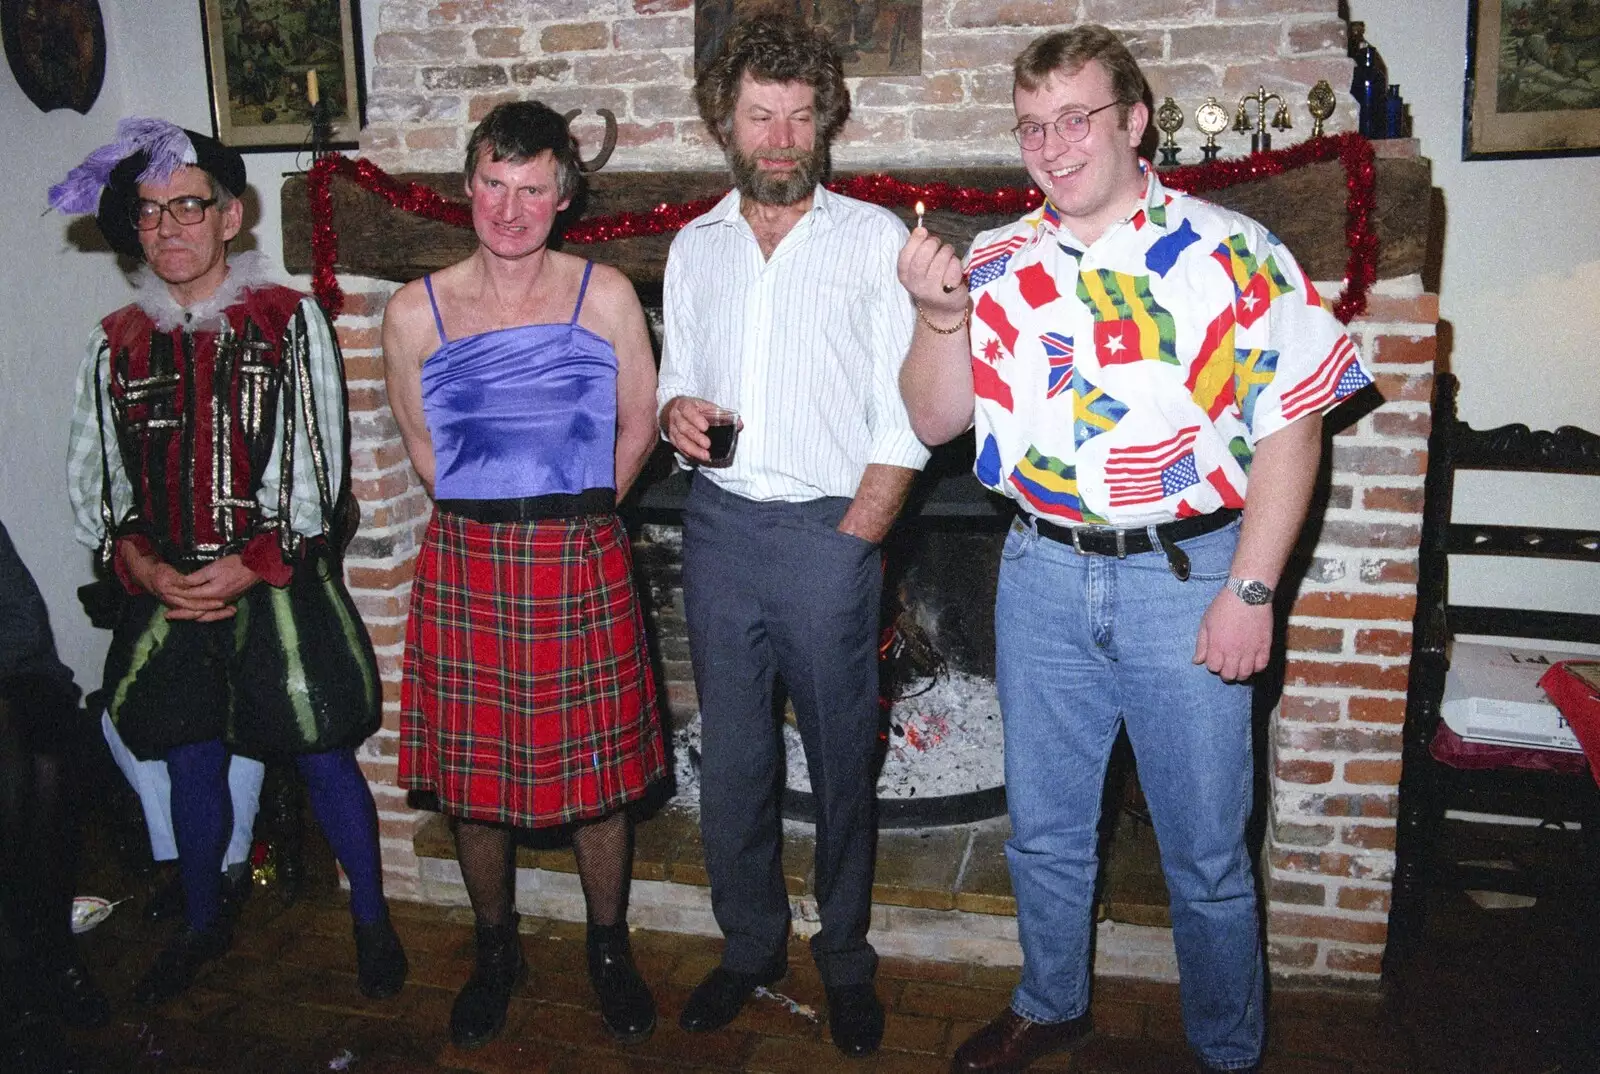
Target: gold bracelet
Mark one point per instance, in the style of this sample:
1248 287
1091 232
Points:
966 316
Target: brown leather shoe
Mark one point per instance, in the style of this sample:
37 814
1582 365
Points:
1010 1043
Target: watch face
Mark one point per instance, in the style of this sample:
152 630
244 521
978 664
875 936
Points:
1252 591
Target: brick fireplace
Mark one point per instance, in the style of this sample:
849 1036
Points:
1333 746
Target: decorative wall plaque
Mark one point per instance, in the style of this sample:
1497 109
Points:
57 51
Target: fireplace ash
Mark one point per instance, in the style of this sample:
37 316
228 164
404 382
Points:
945 738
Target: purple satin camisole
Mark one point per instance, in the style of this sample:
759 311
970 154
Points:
525 411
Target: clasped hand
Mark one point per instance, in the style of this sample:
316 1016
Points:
203 596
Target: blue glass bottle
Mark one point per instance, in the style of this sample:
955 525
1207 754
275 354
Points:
1369 85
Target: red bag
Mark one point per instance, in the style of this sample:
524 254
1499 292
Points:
1573 686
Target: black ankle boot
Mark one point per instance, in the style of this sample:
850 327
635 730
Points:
175 967
480 1009
626 1005
381 964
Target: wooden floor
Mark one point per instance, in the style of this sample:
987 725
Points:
1493 992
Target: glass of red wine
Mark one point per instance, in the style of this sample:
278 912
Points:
723 431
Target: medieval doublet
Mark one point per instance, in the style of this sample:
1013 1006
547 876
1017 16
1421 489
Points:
205 432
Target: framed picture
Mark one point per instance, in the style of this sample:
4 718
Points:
1533 79
875 37
267 59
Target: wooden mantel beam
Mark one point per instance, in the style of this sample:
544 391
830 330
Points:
1304 207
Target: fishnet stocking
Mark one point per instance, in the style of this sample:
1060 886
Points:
484 854
605 861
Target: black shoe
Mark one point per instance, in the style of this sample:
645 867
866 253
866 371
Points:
166 902
79 1000
855 1018
719 998
626 1006
1011 1043
175 967
479 1012
381 964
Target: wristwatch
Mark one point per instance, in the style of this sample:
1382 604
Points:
1251 590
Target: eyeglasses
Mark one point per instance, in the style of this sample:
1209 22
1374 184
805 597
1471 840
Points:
185 210
1071 126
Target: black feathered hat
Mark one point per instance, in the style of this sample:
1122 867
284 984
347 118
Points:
146 150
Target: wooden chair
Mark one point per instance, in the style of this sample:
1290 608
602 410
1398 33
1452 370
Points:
1429 787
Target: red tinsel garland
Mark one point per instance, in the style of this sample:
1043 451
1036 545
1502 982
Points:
1352 150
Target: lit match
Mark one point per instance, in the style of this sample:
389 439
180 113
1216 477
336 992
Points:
920 210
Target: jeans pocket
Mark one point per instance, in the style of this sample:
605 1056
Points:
1019 539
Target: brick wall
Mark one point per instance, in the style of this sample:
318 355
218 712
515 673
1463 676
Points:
1334 751
439 65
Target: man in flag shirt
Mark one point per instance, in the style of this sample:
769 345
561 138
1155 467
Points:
1145 374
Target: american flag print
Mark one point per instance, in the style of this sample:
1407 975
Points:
1152 472
988 264
1339 375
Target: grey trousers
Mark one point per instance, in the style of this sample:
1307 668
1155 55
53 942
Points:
770 590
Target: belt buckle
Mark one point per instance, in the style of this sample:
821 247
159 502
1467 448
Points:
1122 542
1077 541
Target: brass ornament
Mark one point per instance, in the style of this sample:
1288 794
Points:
1169 119
1260 140
1212 119
1321 103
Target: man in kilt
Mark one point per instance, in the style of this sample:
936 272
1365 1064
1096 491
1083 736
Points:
781 303
523 384
207 452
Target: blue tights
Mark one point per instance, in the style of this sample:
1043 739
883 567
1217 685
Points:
201 820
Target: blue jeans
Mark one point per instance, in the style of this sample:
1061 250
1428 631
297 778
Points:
1085 644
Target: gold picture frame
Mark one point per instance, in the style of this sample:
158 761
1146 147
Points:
258 56
1531 88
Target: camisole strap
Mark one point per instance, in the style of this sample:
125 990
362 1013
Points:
427 282
588 267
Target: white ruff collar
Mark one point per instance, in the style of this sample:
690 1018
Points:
247 271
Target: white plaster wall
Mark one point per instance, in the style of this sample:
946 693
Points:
1519 290
52 291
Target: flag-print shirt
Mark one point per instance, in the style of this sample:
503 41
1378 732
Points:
1128 383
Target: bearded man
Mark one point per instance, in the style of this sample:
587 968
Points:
782 304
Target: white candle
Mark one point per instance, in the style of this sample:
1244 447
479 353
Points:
919 213
311 88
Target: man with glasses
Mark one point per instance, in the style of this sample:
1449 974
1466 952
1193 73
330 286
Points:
1135 359
206 456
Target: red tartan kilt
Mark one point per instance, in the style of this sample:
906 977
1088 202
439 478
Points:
527 697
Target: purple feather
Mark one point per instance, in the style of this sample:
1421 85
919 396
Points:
166 143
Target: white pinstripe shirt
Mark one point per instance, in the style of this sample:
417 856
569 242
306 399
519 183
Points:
805 345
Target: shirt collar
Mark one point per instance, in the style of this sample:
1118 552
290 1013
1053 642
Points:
824 204
1047 218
